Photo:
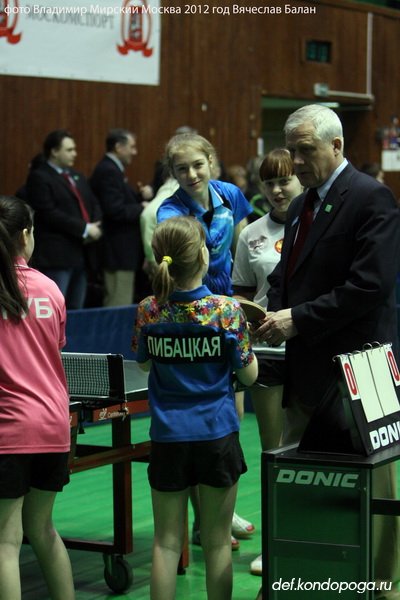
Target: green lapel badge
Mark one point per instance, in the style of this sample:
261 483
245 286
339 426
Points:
328 208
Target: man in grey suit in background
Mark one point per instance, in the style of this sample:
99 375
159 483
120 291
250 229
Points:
121 205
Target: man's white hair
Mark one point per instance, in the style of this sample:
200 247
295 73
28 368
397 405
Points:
325 121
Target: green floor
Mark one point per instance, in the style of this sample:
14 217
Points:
84 510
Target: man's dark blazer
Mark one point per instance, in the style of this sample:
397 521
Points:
342 290
121 209
59 225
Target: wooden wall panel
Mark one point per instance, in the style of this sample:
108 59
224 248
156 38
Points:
386 86
214 71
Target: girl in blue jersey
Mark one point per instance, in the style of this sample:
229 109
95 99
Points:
221 208
192 341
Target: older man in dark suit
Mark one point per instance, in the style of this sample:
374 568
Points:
67 217
334 288
121 206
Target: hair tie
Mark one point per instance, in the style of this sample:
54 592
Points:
167 259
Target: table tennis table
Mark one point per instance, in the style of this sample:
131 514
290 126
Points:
263 350
92 400
126 397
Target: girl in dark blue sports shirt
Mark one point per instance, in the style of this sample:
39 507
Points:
221 208
192 341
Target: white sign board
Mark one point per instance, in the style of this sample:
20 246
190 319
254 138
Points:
390 160
91 40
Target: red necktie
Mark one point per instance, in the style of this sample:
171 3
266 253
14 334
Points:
75 191
306 220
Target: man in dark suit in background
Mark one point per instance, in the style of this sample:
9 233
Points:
67 217
334 288
121 206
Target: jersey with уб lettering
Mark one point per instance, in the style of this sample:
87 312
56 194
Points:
34 401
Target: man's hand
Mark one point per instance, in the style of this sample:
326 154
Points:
146 191
277 327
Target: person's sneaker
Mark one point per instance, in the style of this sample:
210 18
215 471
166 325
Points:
256 566
241 528
197 542
235 543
